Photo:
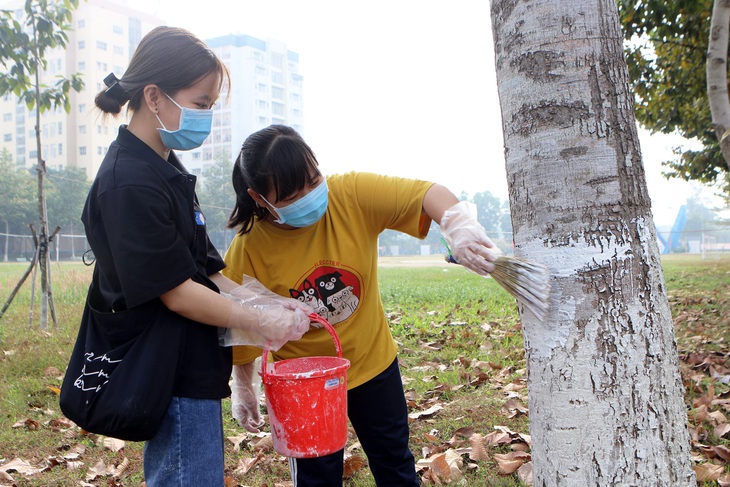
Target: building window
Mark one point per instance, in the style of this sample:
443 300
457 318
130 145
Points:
263 120
277 78
118 50
277 60
60 149
82 44
82 129
277 109
33 154
81 23
82 107
82 65
60 128
260 70
118 29
101 45
261 87
8 137
7 117
82 150
277 93
263 104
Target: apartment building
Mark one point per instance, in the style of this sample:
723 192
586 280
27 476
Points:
266 88
103 37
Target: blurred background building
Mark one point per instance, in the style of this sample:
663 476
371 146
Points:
266 88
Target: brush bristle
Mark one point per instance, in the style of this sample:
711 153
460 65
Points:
526 280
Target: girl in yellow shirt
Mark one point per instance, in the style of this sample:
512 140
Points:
316 239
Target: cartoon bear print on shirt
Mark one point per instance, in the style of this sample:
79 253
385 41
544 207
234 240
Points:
336 295
309 296
332 293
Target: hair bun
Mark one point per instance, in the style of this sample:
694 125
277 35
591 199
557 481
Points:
114 89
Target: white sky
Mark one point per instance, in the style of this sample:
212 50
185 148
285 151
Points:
403 87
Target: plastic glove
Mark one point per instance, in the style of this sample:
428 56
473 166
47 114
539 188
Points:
245 395
468 240
262 318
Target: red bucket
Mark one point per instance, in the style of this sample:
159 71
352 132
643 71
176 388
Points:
306 399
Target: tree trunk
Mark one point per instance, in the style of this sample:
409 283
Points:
7 241
716 68
43 255
605 395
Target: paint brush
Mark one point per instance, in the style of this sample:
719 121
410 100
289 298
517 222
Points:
526 280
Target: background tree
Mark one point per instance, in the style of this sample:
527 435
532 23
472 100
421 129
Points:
16 203
605 395
215 191
666 48
23 46
66 197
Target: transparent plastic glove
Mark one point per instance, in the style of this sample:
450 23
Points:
245 394
468 240
262 318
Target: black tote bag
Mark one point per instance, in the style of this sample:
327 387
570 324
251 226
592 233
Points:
122 371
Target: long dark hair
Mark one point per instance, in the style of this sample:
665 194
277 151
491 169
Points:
169 57
273 158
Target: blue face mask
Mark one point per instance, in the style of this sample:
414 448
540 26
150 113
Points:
195 125
305 211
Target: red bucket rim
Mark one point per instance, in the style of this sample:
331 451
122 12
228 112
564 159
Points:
271 375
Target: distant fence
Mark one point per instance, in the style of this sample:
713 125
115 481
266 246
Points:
20 248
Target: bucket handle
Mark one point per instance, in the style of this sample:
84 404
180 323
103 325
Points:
312 317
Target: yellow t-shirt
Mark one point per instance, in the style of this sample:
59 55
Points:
333 267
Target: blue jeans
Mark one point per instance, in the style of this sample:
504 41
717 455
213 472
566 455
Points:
188 449
377 410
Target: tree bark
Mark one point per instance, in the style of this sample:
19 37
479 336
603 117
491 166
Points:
716 67
605 395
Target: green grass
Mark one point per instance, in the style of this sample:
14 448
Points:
460 347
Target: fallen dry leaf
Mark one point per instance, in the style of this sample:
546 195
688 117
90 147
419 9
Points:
426 412
524 473
722 430
508 463
708 472
20 466
245 464
478 448
113 444
724 481
353 464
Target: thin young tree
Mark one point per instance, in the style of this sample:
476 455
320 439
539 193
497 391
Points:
23 47
605 395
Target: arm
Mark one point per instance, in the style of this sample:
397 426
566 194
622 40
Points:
269 324
224 284
199 303
437 200
467 239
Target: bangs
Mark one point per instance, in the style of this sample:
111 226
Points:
291 165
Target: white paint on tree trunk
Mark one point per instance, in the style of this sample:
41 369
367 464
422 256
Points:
605 396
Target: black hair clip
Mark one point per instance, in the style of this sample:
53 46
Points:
114 89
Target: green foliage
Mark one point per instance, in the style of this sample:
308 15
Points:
215 191
17 189
666 45
23 47
66 196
